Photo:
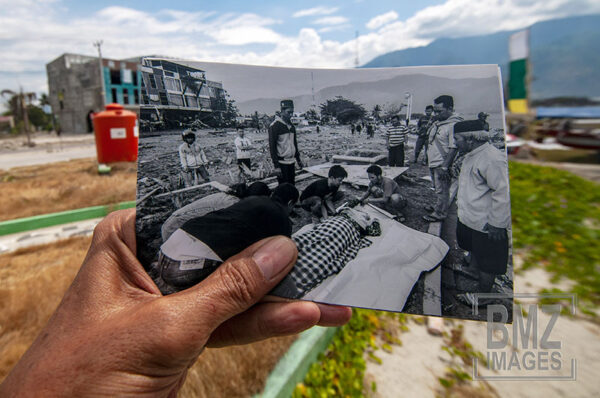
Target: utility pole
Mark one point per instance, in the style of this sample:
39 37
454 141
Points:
98 45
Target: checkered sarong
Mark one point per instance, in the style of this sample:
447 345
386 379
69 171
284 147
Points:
325 251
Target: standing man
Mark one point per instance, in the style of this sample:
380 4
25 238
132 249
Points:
396 136
193 159
243 145
483 206
423 126
283 143
440 154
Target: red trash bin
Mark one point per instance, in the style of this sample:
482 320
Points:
116 132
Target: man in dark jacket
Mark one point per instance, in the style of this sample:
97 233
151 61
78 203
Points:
283 143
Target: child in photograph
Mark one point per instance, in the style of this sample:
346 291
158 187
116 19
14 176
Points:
193 160
201 244
385 192
243 147
319 196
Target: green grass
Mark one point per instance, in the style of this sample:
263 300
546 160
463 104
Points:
556 218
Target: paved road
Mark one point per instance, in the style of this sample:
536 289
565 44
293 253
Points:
47 149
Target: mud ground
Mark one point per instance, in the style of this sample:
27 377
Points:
159 168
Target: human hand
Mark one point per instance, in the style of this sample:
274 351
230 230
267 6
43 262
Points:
115 334
495 233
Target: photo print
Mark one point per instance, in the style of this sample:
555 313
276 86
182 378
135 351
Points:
392 182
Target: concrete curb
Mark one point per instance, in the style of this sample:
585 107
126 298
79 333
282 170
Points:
63 217
294 364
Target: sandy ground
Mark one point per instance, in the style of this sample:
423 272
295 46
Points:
413 369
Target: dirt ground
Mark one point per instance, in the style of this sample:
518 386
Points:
34 190
32 283
159 169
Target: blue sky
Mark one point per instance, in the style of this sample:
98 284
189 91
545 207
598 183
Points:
280 33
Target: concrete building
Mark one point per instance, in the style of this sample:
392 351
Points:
75 88
175 94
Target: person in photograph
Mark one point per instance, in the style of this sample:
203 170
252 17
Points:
423 126
243 148
396 137
482 117
483 206
440 154
319 196
352 128
370 129
283 143
326 249
385 193
212 202
193 160
201 244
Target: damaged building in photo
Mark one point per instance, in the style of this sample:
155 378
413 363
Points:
176 95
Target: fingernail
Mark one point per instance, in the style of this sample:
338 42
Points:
274 256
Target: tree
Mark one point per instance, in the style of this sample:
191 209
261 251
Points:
391 110
344 110
376 112
231 112
19 103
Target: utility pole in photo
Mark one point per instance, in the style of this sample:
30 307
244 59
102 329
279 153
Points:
98 45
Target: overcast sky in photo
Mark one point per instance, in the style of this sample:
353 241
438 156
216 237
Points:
306 33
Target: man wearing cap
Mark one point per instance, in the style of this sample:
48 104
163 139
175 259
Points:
483 205
440 154
283 143
193 159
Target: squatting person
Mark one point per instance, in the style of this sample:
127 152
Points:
319 196
385 192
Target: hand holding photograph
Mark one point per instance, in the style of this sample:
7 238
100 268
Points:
392 182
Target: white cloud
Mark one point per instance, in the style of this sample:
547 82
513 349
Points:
315 11
380 20
335 20
32 36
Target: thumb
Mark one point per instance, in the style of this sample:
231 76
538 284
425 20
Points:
235 286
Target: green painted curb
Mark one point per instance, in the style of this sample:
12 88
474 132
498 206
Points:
294 364
63 217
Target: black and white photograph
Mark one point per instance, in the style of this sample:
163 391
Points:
392 182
